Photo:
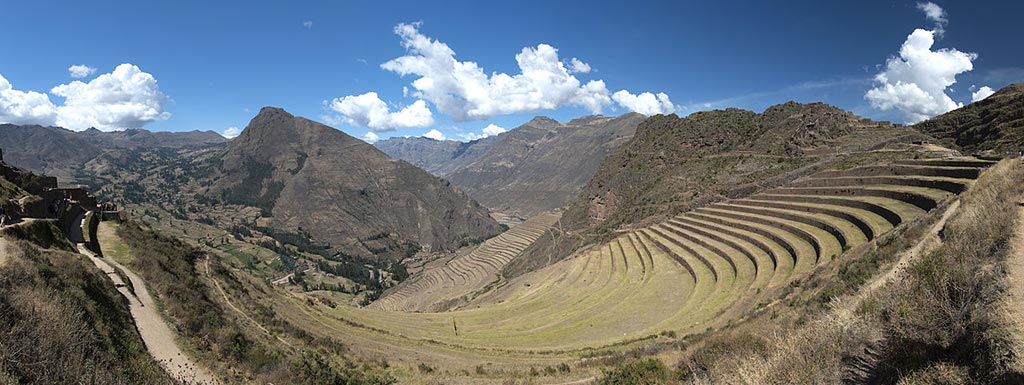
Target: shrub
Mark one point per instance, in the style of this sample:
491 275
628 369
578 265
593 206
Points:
637 371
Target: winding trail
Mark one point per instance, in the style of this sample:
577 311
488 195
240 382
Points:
928 242
1015 299
3 251
4 243
157 335
239 311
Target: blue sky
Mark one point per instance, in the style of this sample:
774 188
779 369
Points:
212 65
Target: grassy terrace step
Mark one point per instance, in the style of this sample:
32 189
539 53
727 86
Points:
717 275
904 170
781 224
868 223
794 216
952 185
946 162
675 233
709 292
726 233
664 249
744 273
923 198
746 250
642 251
793 245
750 260
886 213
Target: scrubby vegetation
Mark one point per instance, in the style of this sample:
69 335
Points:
169 267
943 315
637 371
61 320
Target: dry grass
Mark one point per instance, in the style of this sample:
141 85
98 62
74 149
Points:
938 324
62 322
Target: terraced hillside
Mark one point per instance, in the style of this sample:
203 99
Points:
696 271
439 287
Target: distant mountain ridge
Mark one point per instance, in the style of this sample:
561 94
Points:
438 157
538 166
57 151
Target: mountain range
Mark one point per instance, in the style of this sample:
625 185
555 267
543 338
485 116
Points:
538 166
58 152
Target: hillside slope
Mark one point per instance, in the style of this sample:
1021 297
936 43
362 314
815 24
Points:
63 322
340 189
995 123
674 164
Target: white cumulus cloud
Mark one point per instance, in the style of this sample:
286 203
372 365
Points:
491 130
981 94
368 110
435 135
933 13
308 24
645 103
915 81
464 91
578 66
371 137
79 71
231 132
24 107
125 98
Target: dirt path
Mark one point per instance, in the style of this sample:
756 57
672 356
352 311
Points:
1015 299
584 381
3 251
155 333
237 310
4 244
927 243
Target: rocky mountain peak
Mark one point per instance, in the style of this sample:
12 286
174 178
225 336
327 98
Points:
543 122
